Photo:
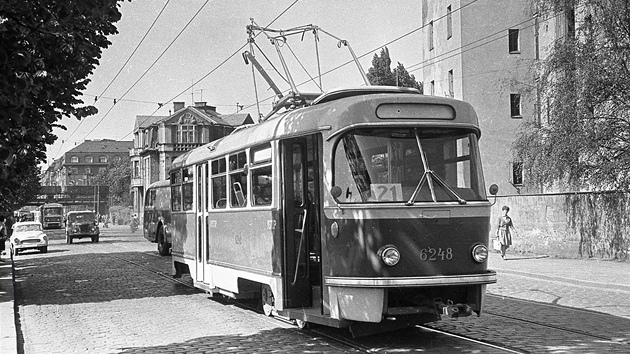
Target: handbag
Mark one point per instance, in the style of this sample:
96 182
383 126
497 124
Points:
496 245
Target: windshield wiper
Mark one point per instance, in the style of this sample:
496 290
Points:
429 175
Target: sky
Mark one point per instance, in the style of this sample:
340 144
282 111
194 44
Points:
193 53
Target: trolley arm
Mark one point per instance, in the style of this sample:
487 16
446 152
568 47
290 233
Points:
248 57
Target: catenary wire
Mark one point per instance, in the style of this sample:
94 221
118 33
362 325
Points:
150 67
120 70
213 70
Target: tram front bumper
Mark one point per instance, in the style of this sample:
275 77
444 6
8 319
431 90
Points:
365 299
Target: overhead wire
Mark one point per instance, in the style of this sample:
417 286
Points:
120 70
151 66
419 28
326 72
213 70
366 53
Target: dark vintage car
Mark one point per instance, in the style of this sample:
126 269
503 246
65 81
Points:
80 224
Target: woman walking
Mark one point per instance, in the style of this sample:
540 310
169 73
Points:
504 230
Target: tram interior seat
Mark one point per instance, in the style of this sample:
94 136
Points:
238 193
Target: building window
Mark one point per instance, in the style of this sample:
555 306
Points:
89 159
515 105
74 159
517 173
102 159
431 35
449 22
186 134
101 170
136 169
88 170
451 92
513 40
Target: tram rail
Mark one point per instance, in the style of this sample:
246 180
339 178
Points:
334 335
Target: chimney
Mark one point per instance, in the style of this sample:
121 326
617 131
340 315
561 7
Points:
204 107
178 105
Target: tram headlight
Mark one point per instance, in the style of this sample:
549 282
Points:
389 255
480 253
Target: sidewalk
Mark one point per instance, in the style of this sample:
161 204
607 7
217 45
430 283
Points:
587 281
587 284
613 275
8 334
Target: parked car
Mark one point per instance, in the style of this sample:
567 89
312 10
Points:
80 224
28 235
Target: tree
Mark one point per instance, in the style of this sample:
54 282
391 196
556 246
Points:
118 177
49 48
381 74
584 140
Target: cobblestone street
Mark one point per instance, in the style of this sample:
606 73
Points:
117 296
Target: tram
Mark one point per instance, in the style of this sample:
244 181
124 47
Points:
364 209
157 215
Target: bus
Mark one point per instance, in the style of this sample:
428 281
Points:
51 215
157 215
364 209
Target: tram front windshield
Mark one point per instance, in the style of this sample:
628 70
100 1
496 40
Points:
53 211
408 165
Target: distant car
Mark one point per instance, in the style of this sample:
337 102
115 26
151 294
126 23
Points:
28 235
80 224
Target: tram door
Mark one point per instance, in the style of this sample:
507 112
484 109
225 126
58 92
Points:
201 216
297 287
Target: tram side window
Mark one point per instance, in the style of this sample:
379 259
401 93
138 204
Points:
187 188
219 184
176 194
149 200
238 180
261 176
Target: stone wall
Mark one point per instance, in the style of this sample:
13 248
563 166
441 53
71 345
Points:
569 225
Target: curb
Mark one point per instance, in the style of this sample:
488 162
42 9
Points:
8 336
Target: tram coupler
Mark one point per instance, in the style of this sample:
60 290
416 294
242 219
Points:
453 310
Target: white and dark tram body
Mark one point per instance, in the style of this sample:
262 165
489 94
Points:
365 209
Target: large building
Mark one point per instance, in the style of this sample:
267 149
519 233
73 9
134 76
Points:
158 140
80 165
72 178
485 52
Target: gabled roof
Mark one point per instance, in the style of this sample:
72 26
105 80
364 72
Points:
210 116
102 146
146 121
238 119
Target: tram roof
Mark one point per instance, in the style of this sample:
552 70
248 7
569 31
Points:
332 112
161 183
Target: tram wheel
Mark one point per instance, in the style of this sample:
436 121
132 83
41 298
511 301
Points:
267 301
301 324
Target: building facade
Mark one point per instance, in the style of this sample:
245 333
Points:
74 175
158 140
486 52
85 161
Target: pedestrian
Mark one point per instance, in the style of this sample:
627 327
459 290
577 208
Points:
504 230
3 234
